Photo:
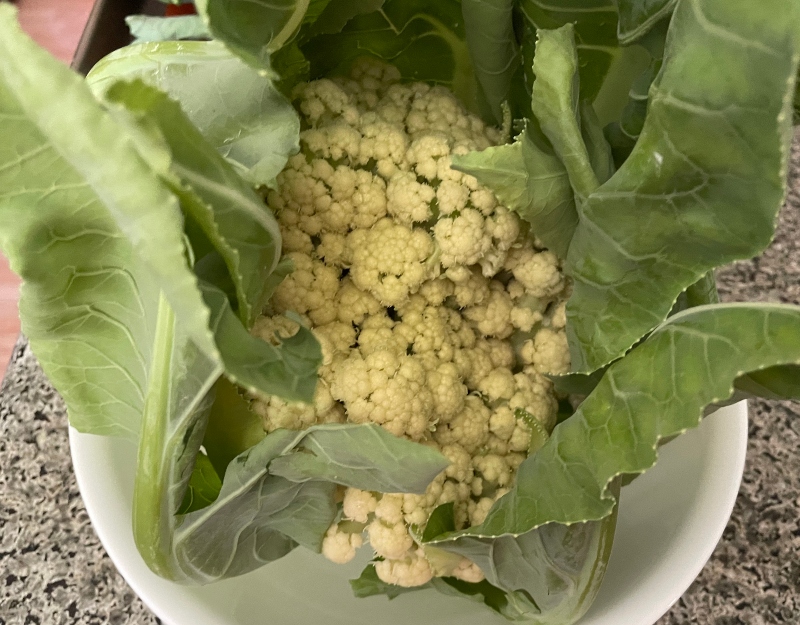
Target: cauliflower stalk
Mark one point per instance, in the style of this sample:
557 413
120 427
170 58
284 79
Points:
437 314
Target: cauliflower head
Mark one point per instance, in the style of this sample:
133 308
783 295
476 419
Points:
438 314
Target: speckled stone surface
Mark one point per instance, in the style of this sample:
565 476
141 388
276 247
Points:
53 570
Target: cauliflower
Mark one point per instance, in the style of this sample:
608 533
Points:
437 313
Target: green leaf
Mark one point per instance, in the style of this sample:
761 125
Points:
233 218
549 575
704 183
255 519
204 486
232 427
253 29
577 383
656 391
91 286
556 104
777 383
424 40
527 177
113 311
336 14
238 110
361 456
595 32
637 17
441 521
624 132
515 606
495 53
288 371
151 28
539 433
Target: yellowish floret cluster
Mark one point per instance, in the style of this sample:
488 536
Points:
437 313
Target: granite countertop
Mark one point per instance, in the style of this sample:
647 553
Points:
53 570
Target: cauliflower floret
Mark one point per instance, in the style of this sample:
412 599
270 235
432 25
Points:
322 98
331 248
386 143
408 201
469 428
335 338
340 547
337 142
389 260
498 384
502 423
308 290
463 240
472 289
451 197
460 468
378 334
352 305
468 571
425 151
538 272
436 291
493 316
548 352
387 389
358 504
390 541
535 396
448 391
478 510
493 468
503 229
412 570
417 508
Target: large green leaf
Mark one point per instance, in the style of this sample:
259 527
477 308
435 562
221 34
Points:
658 390
595 31
204 486
74 207
259 515
237 108
424 40
151 28
232 217
496 55
559 158
255 519
336 14
254 28
556 568
113 311
704 183
232 427
365 457
176 412
556 104
637 17
288 371
623 132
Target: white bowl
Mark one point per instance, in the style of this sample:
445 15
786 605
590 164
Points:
670 520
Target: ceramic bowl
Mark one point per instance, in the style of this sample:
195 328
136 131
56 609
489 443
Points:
670 520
